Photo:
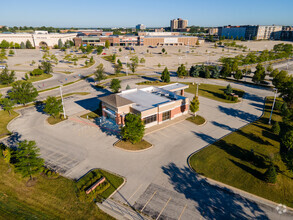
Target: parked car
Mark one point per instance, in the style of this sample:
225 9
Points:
103 53
2 67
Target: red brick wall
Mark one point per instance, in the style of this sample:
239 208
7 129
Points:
160 117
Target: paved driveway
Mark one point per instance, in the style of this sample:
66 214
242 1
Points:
76 147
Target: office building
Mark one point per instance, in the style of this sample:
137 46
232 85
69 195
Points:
178 24
156 105
140 27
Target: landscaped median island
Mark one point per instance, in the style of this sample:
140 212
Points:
249 158
210 91
127 145
97 185
198 120
5 118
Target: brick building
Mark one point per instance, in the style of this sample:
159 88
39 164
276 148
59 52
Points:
155 104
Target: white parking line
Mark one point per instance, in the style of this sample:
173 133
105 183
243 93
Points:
148 201
163 208
135 192
182 211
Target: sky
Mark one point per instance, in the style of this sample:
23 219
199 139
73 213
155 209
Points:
152 13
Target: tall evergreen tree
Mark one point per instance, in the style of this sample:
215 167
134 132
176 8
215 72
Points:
194 105
133 129
28 44
27 159
165 77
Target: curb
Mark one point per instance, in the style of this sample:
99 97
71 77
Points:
132 151
234 189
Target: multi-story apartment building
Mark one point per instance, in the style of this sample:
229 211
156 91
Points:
140 27
178 24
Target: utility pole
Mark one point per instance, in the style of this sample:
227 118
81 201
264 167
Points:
64 114
197 88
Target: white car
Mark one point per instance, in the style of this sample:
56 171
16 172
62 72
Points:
2 67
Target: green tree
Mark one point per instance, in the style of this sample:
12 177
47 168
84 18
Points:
22 45
11 52
259 74
287 140
225 71
107 44
28 44
276 128
270 68
119 62
53 106
92 59
274 73
47 67
33 62
142 60
27 159
228 90
3 55
117 68
197 43
37 72
100 73
238 75
127 87
113 58
163 50
133 130
7 104
165 77
23 92
181 71
115 85
286 92
120 50
270 175
280 79
4 44
207 73
134 63
194 105
6 77
60 44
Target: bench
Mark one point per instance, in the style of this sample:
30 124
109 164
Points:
95 185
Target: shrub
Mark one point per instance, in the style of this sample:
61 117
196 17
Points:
278 105
276 128
270 176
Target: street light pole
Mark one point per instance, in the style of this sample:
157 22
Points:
273 106
64 114
197 88
126 57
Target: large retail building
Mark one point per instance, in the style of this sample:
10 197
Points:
37 38
156 105
143 39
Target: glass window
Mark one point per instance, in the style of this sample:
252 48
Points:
150 119
166 115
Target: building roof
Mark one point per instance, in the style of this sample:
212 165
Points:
115 100
174 87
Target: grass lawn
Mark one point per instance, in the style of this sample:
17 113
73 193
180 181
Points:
91 177
38 78
127 145
108 58
199 120
52 121
214 92
5 118
92 115
231 160
47 199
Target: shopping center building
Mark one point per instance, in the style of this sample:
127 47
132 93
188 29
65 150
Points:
37 38
156 105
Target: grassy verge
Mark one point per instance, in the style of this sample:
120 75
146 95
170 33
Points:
38 78
5 118
198 120
108 58
89 65
112 183
47 199
127 145
92 115
214 92
210 91
241 158
52 121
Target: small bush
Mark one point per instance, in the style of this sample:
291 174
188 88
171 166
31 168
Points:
278 105
276 128
36 72
270 176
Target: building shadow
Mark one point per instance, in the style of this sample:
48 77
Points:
213 202
245 116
